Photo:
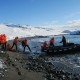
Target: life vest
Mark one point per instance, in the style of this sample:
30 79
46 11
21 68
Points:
52 40
9 47
16 40
2 38
45 45
25 42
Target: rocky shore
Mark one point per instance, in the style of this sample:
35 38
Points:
21 66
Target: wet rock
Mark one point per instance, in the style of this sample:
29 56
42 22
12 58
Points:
42 64
13 65
19 73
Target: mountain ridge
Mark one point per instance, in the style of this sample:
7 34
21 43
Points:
12 30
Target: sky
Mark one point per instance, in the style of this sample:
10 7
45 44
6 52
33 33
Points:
39 12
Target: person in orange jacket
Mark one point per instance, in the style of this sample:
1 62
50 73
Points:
0 39
15 42
3 41
24 44
52 41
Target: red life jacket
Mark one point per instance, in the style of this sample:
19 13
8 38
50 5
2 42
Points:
25 42
16 40
8 47
4 38
52 41
0 38
45 45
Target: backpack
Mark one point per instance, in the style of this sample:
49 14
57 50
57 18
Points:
23 43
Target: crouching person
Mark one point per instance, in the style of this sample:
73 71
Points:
9 48
52 42
44 46
25 44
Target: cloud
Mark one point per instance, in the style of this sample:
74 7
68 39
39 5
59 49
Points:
52 24
57 24
74 23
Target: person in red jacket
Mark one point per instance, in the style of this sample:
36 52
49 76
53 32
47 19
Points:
52 41
9 47
15 42
24 44
45 45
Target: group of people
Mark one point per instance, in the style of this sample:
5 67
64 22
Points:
6 46
15 43
45 44
51 42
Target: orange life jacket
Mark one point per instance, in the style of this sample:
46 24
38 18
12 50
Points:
5 37
2 39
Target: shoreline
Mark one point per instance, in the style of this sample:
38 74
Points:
16 68
25 67
22 66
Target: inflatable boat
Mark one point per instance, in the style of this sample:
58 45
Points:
70 48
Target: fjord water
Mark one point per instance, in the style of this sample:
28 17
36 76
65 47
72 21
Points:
69 62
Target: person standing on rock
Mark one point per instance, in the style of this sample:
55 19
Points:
24 44
15 43
3 41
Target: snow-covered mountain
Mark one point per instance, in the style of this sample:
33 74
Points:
26 31
12 30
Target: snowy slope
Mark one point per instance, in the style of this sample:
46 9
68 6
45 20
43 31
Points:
12 30
26 31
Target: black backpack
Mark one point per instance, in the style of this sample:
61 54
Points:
23 43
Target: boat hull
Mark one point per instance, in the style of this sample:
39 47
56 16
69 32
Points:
61 49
